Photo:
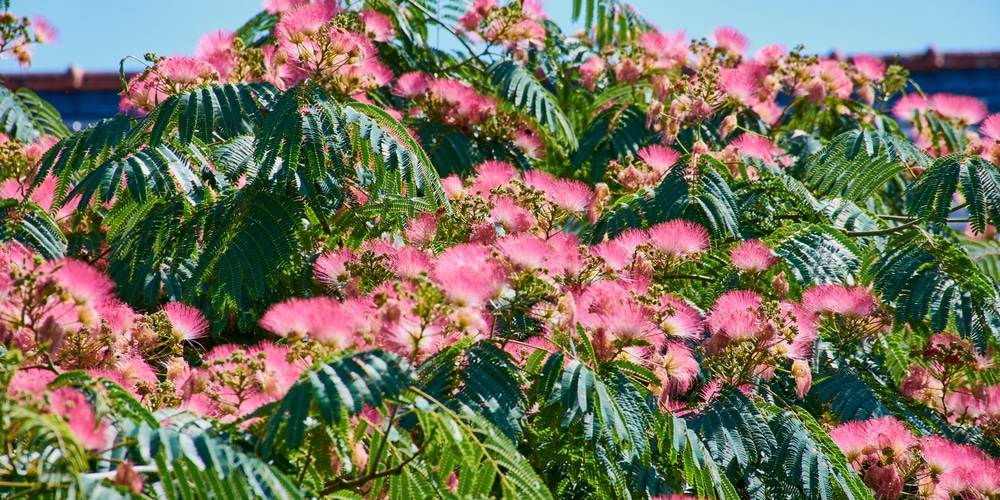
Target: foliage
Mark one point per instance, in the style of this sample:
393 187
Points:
326 258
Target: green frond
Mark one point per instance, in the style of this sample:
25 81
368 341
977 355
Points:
338 388
491 386
24 116
209 112
72 157
27 223
698 470
931 196
849 397
733 430
613 134
816 254
522 90
857 164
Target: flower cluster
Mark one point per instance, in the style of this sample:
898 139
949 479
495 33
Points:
17 34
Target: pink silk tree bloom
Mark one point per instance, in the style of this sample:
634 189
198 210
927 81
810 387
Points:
852 302
769 111
453 187
409 263
833 77
908 104
736 316
218 49
739 84
668 49
331 267
880 438
512 217
803 377
660 158
492 174
468 275
422 229
591 70
324 319
989 232
378 26
83 283
526 251
678 319
185 70
279 374
870 68
530 142
677 369
966 109
886 481
990 127
30 382
756 146
679 238
187 322
730 40
413 84
280 6
71 405
803 323
44 31
771 55
753 256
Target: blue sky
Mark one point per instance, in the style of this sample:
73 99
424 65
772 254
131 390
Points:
96 35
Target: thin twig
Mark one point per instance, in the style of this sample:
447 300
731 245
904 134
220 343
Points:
882 232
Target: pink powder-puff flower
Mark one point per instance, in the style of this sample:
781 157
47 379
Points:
771 55
908 104
677 369
660 158
331 267
756 146
422 229
679 320
630 322
30 382
324 319
669 49
492 174
966 109
409 263
530 142
881 437
512 217
218 49
44 31
804 322
378 26
280 6
991 127
886 481
614 255
803 377
769 111
739 84
79 414
453 187
570 195
989 232
852 302
833 77
730 40
753 256
82 282
467 274
185 70
736 316
591 70
871 69
410 85
187 321
526 251
279 375
679 238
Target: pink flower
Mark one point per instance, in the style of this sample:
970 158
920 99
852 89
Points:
679 319
756 146
279 6
730 40
736 316
679 238
73 406
881 437
422 229
378 26
185 70
988 234
660 158
770 56
991 127
512 217
332 266
82 282
187 321
530 142
591 70
44 31
669 49
739 84
409 263
467 274
218 49
410 85
872 69
526 251
966 109
677 369
30 382
908 104
567 194
453 187
332 323
279 375
853 302
492 174
753 256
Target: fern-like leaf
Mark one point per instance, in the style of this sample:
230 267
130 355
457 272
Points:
519 87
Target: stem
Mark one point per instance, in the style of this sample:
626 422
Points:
443 25
683 276
882 232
